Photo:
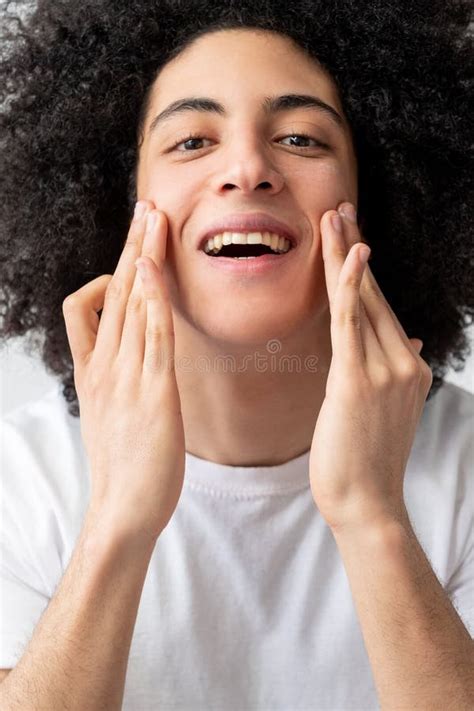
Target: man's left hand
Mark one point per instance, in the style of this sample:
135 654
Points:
375 393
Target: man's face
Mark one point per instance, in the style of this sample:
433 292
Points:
247 160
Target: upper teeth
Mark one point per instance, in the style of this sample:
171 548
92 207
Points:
274 241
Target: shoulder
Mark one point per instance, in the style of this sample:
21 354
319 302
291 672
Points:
45 413
439 476
446 427
44 470
439 480
451 402
42 429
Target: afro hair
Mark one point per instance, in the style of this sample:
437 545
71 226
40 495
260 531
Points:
75 77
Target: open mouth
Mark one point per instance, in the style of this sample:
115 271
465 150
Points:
239 245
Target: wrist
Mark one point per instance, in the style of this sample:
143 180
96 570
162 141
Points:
108 531
387 531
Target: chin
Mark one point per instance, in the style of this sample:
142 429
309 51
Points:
244 328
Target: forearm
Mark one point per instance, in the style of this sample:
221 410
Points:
77 657
421 654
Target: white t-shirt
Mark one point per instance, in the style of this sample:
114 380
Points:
246 604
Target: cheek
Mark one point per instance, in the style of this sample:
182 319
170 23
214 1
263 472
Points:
328 184
169 189
174 192
320 186
321 189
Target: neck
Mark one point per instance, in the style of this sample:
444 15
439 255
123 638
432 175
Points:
255 405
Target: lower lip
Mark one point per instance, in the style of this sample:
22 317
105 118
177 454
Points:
253 266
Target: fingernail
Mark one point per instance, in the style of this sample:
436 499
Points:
348 211
364 253
140 208
336 223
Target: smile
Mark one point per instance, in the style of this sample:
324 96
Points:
246 245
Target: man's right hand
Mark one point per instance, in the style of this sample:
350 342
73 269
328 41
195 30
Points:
125 380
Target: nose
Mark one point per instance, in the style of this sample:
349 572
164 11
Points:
248 168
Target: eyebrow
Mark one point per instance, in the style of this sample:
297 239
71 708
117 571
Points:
271 105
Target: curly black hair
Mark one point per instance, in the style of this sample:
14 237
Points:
75 80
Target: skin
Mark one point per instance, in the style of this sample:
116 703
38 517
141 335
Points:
251 417
358 413
376 390
369 404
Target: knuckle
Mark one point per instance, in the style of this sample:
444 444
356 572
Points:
384 377
114 292
409 369
427 373
371 289
159 343
135 302
71 302
159 360
349 318
132 241
78 298
154 360
340 253
353 281
154 336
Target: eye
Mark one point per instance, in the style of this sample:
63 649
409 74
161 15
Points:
193 137
196 137
305 137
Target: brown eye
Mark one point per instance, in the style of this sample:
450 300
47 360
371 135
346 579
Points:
295 138
191 139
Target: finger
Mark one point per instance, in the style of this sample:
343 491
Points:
346 336
372 346
390 332
335 251
417 343
132 347
109 335
82 321
159 334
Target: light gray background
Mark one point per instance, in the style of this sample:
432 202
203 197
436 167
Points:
24 377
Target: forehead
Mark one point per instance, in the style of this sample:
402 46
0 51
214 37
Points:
241 64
